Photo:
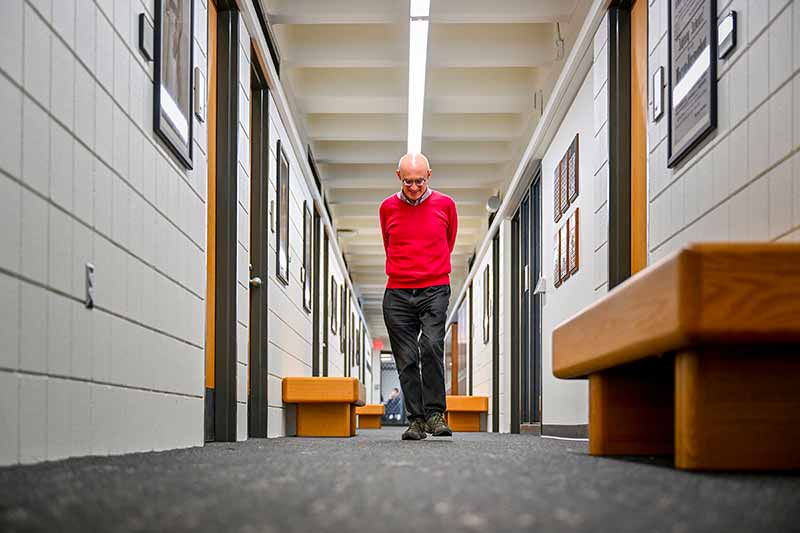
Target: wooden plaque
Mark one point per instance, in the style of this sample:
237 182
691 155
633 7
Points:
563 261
573 248
572 170
557 193
557 259
564 188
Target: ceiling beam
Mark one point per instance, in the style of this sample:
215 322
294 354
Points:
343 45
462 196
492 45
368 211
367 176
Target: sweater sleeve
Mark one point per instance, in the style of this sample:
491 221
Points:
384 233
452 226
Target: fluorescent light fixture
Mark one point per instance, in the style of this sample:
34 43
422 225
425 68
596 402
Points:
420 8
417 59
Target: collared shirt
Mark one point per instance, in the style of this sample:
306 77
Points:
418 201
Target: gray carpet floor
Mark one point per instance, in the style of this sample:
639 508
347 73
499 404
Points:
376 483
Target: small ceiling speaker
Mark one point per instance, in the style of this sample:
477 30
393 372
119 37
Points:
493 203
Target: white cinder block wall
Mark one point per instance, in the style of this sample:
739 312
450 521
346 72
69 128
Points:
83 179
482 352
743 182
566 402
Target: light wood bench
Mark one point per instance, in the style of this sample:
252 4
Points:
467 413
698 355
369 416
326 407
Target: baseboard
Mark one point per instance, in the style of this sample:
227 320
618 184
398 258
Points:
577 431
530 429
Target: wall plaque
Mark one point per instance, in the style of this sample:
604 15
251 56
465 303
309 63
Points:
572 170
562 237
557 259
692 86
573 238
557 198
564 187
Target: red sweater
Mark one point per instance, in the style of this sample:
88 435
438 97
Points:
418 240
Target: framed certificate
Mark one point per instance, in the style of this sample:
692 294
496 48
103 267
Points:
557 259
562 237
573 238
572 170
557 193
692 75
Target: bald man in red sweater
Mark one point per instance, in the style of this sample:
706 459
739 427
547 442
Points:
419 227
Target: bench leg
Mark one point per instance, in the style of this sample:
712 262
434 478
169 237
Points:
631 409
463 421
369 421
737 408
326 420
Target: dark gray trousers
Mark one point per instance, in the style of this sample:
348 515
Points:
415 320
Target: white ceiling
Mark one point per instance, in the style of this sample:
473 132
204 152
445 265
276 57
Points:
344 67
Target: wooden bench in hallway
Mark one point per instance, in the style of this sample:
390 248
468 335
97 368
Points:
326 406
369 416
467 413
696 356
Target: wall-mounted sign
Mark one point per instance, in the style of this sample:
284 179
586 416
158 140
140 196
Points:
557 259
557 198
726 32
572 170
658 93
692 87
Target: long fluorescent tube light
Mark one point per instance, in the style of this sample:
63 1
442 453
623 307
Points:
420 8
417 59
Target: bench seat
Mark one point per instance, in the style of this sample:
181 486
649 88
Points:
696 356
369 416
467 413
326 406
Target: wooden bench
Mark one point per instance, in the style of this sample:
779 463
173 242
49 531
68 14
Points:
467 413
326 407
369 416
696 356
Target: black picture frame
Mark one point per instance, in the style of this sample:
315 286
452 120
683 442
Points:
343 322
486 303
282 216
172 81
678 149
308 262
334 306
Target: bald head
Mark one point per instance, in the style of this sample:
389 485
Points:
416 164
414 171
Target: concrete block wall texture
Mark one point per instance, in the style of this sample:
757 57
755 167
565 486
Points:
742 183
482 352
83 179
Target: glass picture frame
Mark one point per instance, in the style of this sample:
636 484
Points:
173 78
307 269
282 215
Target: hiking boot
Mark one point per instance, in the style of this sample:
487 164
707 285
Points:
437 427
416 430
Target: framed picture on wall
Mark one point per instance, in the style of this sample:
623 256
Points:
572 170
305 272
557 259
564 185
487 304
334 307
282 216
343 320
172 82
557 193
573 247
562 237
691 75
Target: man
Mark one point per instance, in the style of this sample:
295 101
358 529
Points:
419 228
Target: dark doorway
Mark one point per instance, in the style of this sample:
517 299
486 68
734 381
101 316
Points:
496 333
326 298
526 267
315 318
220 404
259 311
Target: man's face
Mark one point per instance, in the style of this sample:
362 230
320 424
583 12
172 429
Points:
414 180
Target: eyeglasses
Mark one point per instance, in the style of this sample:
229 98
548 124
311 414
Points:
419 182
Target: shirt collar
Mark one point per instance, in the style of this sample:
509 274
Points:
421 199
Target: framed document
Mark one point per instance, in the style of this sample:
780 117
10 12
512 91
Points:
308 262
557 259
557 193
573 238
172 80
282 216
692 75
334 308
572 170
562 237
564 187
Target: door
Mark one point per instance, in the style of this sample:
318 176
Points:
316 341
259 185
326 298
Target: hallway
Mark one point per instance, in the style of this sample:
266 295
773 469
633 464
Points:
375 482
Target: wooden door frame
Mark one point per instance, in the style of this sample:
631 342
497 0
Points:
220 419
259 299
516 321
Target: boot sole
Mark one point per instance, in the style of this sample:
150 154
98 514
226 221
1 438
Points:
443 434
414 437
